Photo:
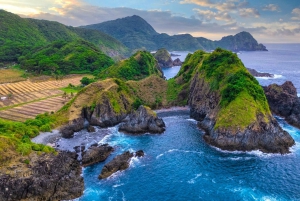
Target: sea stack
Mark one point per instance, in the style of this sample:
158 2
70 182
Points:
231 106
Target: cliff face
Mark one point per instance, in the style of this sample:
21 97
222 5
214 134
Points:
48 177
283 101
232 109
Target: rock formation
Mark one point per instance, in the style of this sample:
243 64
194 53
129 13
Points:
142 121
163 58
177 62
258 74
283 101
120 162
233 111
96 154
48 177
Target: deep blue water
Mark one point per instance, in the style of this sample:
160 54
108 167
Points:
179 165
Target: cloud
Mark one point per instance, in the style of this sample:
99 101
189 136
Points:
249 12
208 15
271 7
229 5
296 13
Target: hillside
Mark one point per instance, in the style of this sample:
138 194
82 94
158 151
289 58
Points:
19 35
62 57
139 66
136 33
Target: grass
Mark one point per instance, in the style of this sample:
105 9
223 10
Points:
11 75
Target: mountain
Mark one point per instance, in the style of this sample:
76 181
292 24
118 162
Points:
136 33
63 57
18 35
139 66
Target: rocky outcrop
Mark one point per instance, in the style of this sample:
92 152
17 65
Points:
76 125
283 101
91 129
96 154
258 74
50 178
119 163
163 58
143 121
177 62
264 134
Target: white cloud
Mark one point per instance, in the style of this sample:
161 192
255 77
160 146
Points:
271 7
208 15
296 13
249 12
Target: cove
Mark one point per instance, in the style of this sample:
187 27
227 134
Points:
179 165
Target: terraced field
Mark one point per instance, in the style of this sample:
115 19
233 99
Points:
24 100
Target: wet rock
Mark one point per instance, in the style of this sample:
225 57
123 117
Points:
142 121
283 101
95 154
139 153
53 178
91 129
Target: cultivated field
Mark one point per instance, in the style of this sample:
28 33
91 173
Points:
10 75
25 99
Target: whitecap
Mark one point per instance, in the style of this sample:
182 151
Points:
193 180
178 150
275 76
117 185
134 161
298 95
192 120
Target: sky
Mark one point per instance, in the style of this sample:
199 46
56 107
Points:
269 21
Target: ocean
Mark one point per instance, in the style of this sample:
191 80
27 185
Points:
179 165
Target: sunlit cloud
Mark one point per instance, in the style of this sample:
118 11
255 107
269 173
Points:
19 10
296 13
271 7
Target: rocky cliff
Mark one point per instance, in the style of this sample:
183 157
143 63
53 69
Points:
231 107
283 101
46 177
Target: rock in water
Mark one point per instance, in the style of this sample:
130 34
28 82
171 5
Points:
258 74
96 154
142 121
52 178
283 101
120 162
91 129
163 58
231 107
177 62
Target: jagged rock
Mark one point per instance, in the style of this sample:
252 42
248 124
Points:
142 121
258 74
267 137
52 178
91 129
139 153
74 126
175 55
283 101
96 154
177 62
163 58
120 162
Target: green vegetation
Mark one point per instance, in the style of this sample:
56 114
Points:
61 57
18 36
162 55
139 66
71 89
15 136
86 81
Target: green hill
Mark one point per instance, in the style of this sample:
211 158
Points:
19 35
139 66
136 33
63 57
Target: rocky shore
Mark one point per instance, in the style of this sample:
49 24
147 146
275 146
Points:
283 101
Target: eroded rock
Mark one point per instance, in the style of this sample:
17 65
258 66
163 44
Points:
95 154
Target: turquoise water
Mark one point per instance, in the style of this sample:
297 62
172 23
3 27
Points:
179 165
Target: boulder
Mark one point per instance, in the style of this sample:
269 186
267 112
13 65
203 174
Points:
76 125
283 101
91 129
51 177
258 74
120 162
95 154
177 62
143 121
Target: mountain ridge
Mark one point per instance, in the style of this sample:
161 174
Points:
143 36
